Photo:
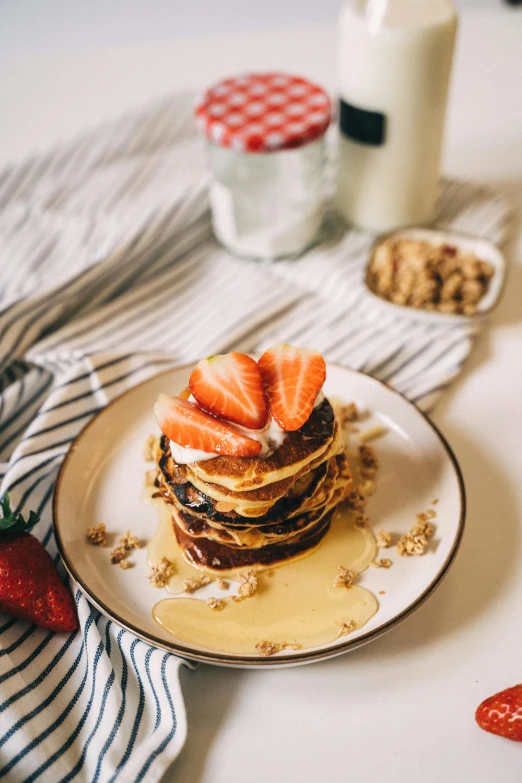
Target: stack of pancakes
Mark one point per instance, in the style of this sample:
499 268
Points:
240 512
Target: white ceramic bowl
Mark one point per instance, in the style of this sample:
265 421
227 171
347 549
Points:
482 248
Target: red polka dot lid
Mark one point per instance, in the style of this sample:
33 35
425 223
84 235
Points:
263 112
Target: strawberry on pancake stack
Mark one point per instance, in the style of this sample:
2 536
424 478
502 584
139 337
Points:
251 460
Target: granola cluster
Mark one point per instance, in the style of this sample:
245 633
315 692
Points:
161 572
348 413
216 604
368 466
346 628
384 562
344 577
383 539
416 541
432 277
126 543
247 584
97 536
266 649
191 585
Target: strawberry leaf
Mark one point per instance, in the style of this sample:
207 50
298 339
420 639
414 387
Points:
14 523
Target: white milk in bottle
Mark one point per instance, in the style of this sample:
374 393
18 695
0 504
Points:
394 69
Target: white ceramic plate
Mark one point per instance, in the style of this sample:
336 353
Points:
483 249
102 478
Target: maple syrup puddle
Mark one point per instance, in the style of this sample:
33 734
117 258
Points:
295 603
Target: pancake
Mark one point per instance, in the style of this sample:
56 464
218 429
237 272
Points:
242 512
283 520
215 557
254 503
298 449
279 529
186 495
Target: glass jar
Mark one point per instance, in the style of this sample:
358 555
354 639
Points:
266 153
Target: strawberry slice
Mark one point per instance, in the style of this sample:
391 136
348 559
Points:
292 378
230 386
185 424
502 714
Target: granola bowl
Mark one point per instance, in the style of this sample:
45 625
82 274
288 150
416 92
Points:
434 275
410 531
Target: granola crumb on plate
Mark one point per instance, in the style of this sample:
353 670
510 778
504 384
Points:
97 536
161 572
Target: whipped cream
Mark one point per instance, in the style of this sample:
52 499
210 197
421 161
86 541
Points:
270 437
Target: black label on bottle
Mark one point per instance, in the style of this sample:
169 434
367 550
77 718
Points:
366 127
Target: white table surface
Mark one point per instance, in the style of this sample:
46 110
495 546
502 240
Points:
402 708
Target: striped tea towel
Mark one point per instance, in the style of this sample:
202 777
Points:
108 274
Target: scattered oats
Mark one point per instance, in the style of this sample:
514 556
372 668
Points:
97 535
268 648
382 563
247 584
381 592
150 477
161 572
271 648
373 433
191 585
222 584
431 513
129 541
216 604
411 544
349 413
344 577
383 539
434 501
118 554
368 460
346 628
149 448
224 506
423 529
125 564
355 501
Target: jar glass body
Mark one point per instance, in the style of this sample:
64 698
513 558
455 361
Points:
267 205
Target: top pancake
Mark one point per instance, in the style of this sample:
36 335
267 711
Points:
298 449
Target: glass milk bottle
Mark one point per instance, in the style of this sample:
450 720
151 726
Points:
394 70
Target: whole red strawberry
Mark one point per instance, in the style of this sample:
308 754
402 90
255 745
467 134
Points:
502 714
30 586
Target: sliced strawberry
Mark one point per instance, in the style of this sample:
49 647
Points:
185 424
230 386
502 714
292 378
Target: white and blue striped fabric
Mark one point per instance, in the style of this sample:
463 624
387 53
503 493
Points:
108 274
